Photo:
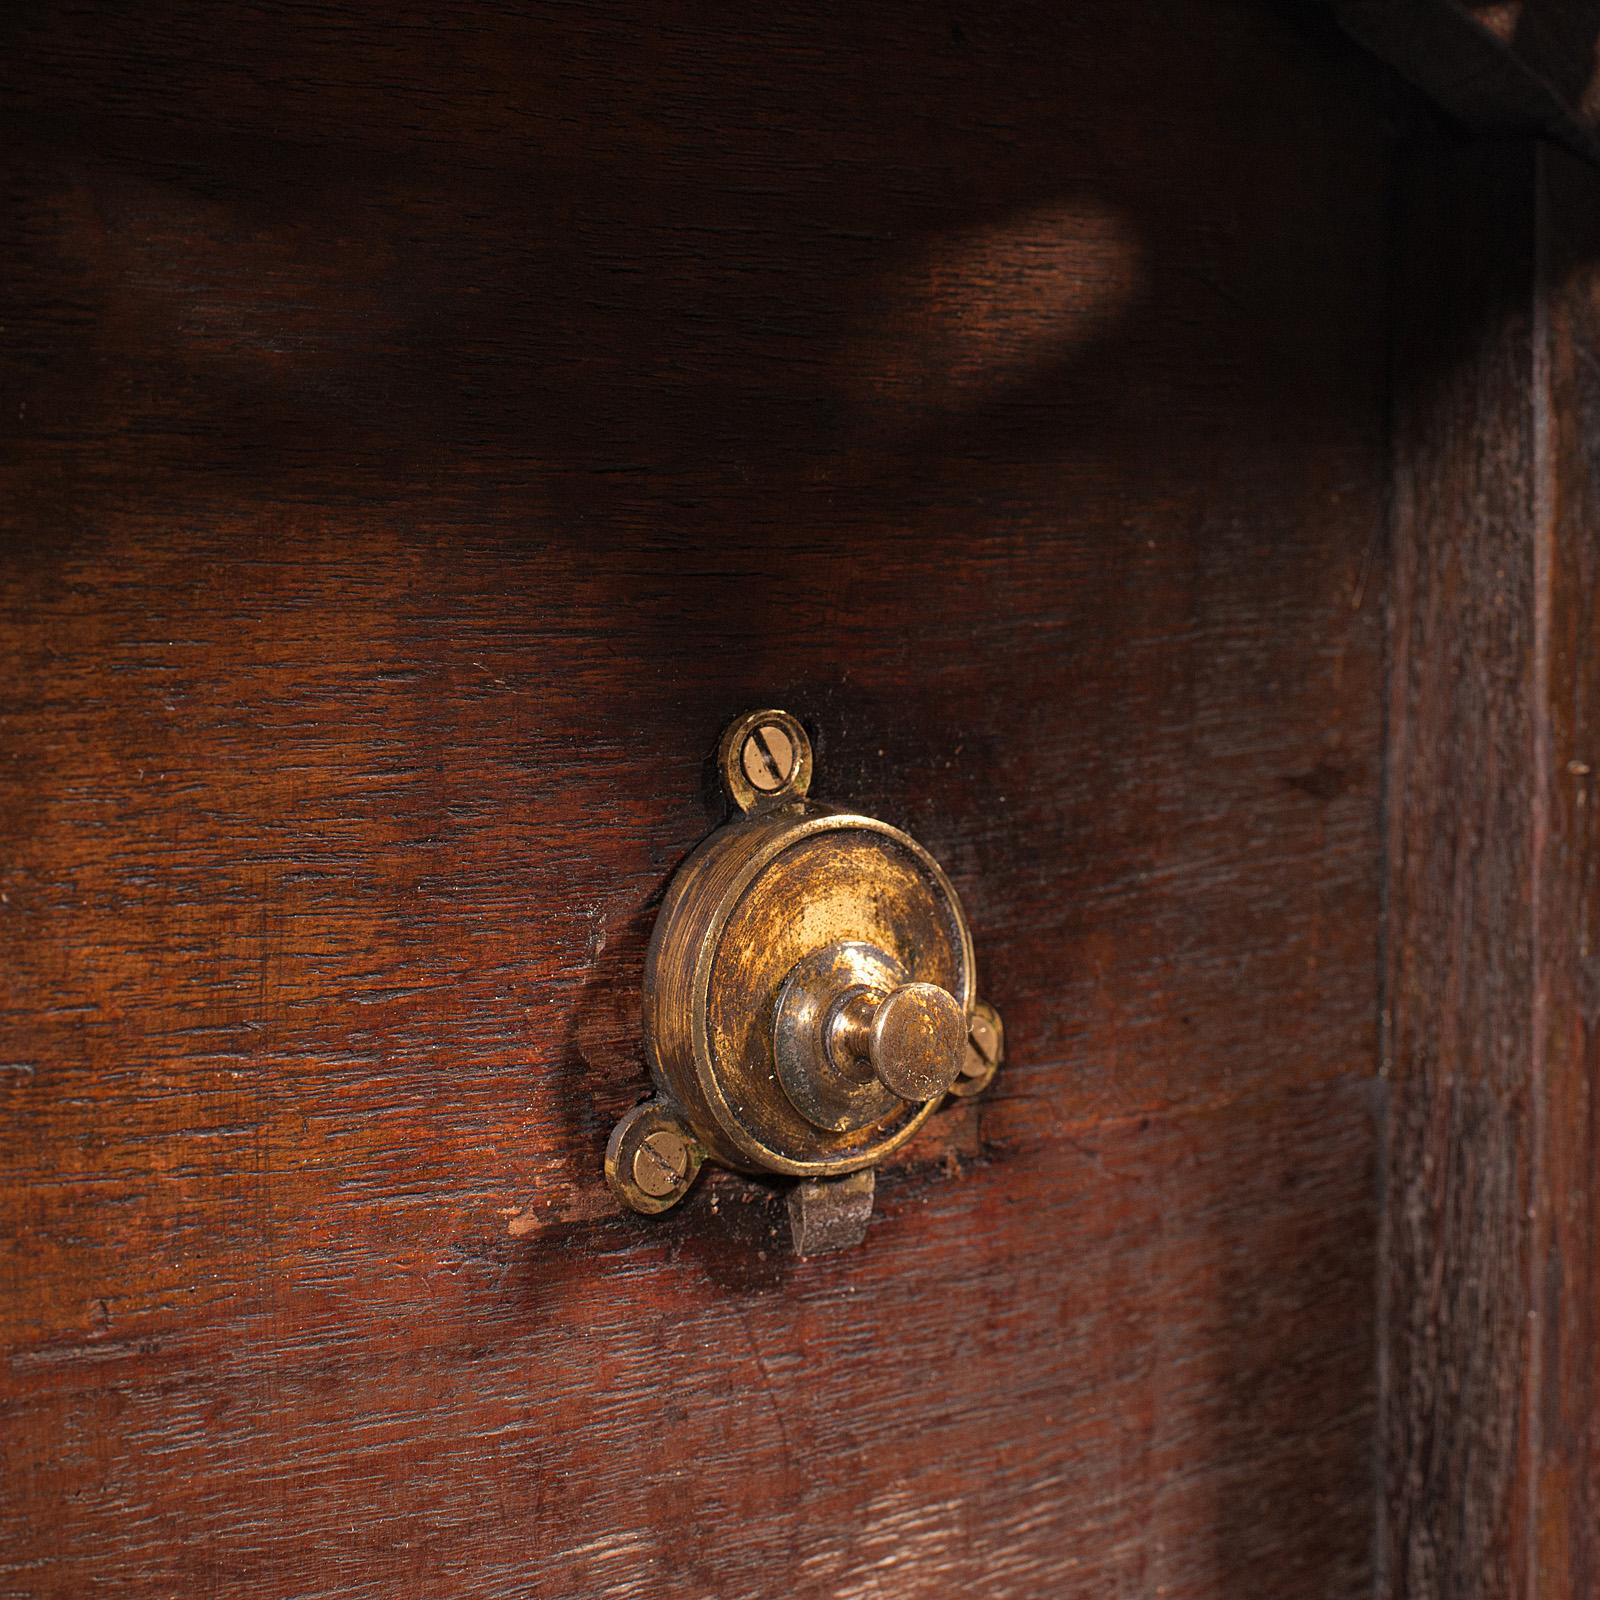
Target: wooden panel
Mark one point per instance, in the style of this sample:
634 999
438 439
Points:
1557 41
1461 956
424 435
1566 1289
1491 1244
1060 1369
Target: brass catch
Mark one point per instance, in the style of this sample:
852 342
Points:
810 998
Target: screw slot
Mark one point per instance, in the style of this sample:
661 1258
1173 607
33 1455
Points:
765 760
768 757
651 1160
661 1162
986 1044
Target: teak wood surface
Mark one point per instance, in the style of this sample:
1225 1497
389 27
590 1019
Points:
424 429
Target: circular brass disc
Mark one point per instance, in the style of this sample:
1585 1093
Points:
756 900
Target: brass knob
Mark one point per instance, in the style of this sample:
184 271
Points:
853 1040
913 1039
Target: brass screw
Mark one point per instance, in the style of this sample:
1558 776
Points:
661 1163
765 760
983 1047
651 1159
768 757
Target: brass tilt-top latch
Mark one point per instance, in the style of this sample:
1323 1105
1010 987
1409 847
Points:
810 999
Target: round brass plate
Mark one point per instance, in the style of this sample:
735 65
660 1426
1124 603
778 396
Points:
750 906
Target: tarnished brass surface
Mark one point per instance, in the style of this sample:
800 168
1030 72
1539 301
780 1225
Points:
651 1158
832 1094
852 1037
912 1038
986 1043
765 759
808 990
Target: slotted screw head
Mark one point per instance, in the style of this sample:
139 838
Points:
651 1158
765 759
661 1163
983 1045
986 1045
768 757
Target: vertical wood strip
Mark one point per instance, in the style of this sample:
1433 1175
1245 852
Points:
1489 1261
1567 1284
1460 953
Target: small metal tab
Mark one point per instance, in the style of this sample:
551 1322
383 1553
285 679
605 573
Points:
828 1214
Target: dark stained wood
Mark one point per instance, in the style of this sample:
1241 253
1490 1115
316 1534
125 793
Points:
424 430
1558 41
1461 959
1531 66
1566 1288
1492 1254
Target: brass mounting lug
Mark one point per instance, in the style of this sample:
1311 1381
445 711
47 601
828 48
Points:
809 999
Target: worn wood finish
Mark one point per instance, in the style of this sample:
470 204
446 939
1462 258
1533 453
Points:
1566 1287
1491 1270
1461 948
423 433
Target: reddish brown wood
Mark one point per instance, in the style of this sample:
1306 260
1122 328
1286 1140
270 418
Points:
1491 1269
1566 1289
424 430
1461 951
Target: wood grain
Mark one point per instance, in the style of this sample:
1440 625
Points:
422 434
1461 942
1566 1288
1490 1253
